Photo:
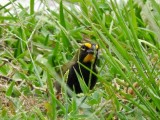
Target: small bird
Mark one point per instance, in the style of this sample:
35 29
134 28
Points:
82 64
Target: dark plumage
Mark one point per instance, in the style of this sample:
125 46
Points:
87 55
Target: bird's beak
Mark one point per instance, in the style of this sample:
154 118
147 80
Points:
92 50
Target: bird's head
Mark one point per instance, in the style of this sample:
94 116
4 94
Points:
88 53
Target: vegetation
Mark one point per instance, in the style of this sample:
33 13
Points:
35 42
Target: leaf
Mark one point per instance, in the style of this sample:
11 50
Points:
10 89
83 85
31 7
65 39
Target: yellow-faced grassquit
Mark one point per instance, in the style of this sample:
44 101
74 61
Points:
84 65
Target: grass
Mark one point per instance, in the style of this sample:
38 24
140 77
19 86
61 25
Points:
35 43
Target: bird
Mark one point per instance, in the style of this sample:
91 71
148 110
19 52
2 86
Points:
83 65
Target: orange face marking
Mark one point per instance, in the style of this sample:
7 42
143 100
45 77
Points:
88 58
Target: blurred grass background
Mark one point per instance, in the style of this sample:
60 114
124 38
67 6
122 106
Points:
35 41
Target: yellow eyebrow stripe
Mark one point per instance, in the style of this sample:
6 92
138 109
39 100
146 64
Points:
88 45
96 46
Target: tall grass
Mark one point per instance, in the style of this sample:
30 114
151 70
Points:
35 43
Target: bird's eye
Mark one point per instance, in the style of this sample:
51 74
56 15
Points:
83 48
